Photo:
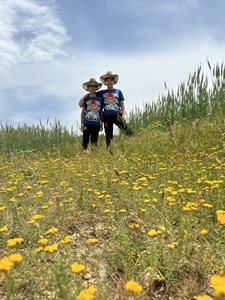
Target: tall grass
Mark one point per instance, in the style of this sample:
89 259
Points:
40 137
197 98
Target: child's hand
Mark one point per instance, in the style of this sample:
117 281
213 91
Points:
123 117
82 128
101 127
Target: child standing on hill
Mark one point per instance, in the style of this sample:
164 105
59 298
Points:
114 109
91 114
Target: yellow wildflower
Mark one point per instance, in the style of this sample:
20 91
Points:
43 241
4 229
154 232
93 241
51 248
203 231
39 249
14 242
67 239
134 226
221 216
133 287
52 230
171 246
207 205
204 297
77 268
44 207
5 264
218 284
143 210
62 183
15 258
39 194
87 294
37 217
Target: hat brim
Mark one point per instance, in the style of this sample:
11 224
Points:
86 84
114 76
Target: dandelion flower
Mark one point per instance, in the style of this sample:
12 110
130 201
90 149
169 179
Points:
87 294
171 246
133 287
43 241
52 231
204 297
67 239
218 284
221 216
203 231
154 232
77 268
93 241
5 264
15 258
134 226
39 249
37 217
14 242
51 248
4 229
39 194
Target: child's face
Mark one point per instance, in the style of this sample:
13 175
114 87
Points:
92 88
109 82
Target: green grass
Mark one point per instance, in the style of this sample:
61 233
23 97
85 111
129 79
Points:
201 96
164 179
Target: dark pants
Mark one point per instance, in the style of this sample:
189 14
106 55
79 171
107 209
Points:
90 131
118 121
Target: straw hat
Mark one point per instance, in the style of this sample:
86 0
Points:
109 74
91 81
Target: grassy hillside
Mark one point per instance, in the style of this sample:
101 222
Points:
151 212
143 221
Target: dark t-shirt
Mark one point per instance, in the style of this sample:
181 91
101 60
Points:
112 101
93 107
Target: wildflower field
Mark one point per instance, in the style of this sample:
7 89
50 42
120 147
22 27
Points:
144 221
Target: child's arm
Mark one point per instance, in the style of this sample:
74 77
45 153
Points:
123 110
101 120
81 102
82 119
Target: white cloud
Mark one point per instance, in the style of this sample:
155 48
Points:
29 31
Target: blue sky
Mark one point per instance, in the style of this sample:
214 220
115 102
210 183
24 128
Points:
49 48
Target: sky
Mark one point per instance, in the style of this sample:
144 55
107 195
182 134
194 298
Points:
48 48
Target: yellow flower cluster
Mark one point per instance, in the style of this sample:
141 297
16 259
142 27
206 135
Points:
14 242
218 284
77 268
221 216
4 229
133 287
153 232
67 239
87 294
8 262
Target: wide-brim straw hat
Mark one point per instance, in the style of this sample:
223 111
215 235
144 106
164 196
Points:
109 74
91 81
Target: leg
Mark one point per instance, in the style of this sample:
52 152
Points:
86 136
94 135
108 125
